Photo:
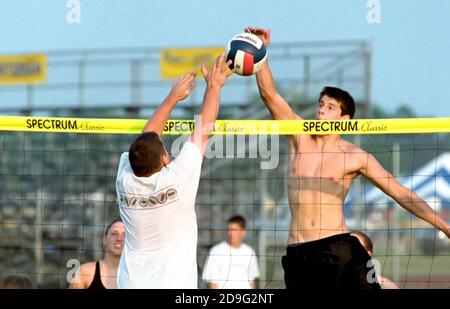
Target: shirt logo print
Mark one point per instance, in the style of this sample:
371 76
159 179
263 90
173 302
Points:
152 201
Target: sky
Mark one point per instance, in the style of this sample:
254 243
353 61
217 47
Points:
411 44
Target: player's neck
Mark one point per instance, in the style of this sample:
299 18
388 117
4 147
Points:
111 261
328 141
235 245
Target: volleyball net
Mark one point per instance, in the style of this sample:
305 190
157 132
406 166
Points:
58 175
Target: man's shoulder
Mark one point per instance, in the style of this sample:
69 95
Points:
187 158
247 248
124 162
191 148
123 157
221 246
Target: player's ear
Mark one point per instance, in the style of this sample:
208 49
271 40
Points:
165 159
345 117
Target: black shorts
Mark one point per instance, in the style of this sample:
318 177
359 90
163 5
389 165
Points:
339 261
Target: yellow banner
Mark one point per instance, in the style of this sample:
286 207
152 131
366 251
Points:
233 127
175 62
23 69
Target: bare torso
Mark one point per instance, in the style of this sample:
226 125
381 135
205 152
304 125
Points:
319 180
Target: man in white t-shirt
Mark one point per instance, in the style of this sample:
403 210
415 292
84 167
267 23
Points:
157 197
232 264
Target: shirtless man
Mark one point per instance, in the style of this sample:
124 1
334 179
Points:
321 171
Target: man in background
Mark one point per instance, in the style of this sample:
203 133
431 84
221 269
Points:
232 264
102 274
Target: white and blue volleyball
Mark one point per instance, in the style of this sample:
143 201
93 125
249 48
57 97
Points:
248 53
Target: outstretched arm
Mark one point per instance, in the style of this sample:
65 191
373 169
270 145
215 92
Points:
215 79
276 104
180 90
408 199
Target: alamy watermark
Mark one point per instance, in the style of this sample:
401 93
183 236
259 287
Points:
374 274
374 12
73 275
73 15
263 146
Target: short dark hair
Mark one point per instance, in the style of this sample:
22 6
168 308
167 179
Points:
239 220
110 225
367 242
145 154
16 281
343 97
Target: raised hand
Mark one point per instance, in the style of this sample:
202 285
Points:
263 34
183 86
447 232
219 72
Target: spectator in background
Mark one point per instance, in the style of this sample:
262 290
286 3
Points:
103 274
367 243
232 264
16 281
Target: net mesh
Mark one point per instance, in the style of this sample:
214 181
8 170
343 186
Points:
57 195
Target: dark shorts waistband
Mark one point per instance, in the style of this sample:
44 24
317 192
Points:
319 242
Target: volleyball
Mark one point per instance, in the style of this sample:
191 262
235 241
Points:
248 53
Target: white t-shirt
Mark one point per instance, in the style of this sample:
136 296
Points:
231 268
160 248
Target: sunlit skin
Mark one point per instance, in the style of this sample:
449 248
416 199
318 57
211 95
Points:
320 175
322 168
